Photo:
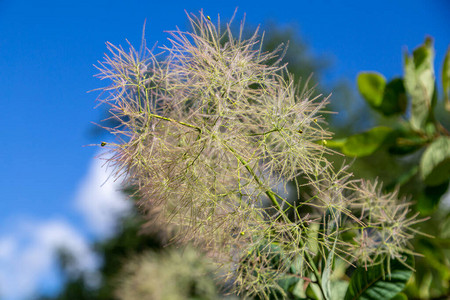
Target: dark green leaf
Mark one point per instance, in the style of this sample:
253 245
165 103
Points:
375 284
394 98
446 79
371 86
365 143
388 99
403 149
435 162
419 82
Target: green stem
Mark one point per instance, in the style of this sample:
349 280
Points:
269 193
175 121
264 133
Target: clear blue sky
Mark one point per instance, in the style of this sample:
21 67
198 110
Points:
48 48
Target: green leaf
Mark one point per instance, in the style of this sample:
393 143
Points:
394 98
336 144
297 265
446 79
388 99
339 287
326 274
366 143
371 86
287 283
375 284
419 81
298 291
435 162
315 289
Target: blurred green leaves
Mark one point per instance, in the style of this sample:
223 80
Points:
413 130
386 98
419 144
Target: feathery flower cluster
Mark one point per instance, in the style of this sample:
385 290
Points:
207 128
173 274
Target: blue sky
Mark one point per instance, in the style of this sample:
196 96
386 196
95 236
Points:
47 52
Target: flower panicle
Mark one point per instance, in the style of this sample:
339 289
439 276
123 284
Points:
206 129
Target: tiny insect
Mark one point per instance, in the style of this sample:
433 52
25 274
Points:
300 131
103 144
242 233
208 18
315 120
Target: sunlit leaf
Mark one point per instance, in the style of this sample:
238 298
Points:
366 143
337 143
419 81
446 79
371 86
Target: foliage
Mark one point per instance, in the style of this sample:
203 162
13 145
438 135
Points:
209 129
375 283
419 140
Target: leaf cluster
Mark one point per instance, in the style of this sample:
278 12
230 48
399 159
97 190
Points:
418 140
